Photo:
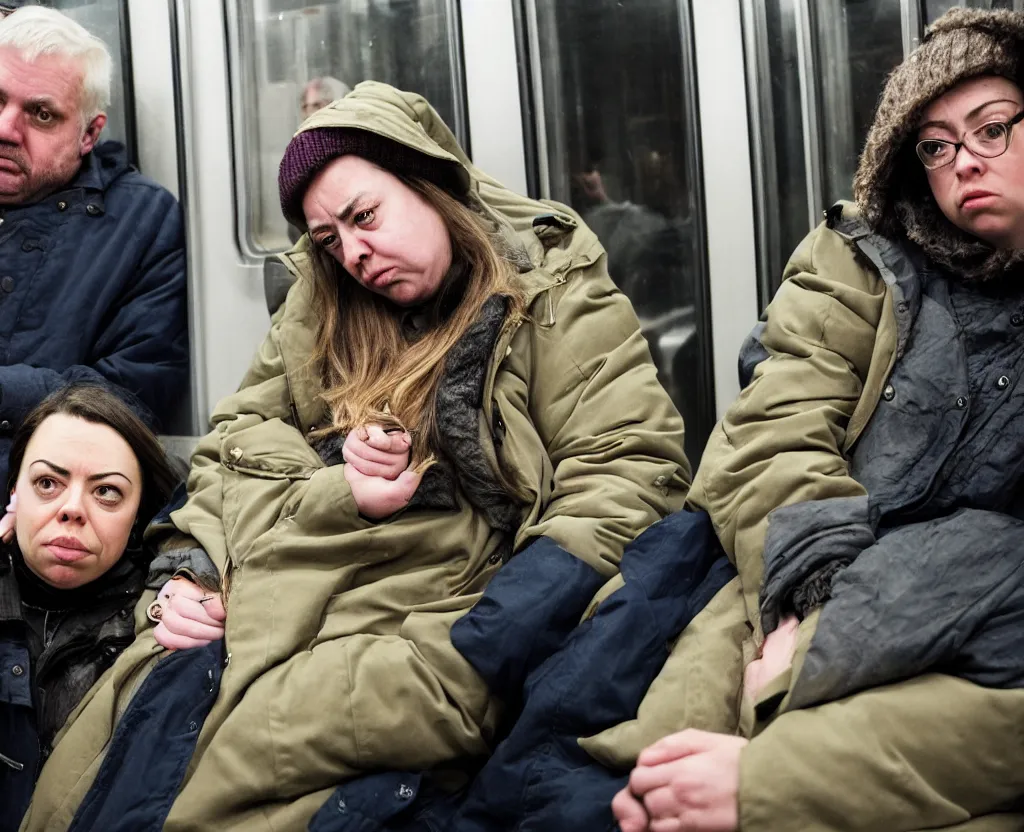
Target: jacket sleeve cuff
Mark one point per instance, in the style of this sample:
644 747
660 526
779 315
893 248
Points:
193 563
807 544
816 589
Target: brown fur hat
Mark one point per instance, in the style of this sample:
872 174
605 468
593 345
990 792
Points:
891 187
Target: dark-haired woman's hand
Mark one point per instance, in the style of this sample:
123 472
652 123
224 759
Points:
376 453
8 520
189 616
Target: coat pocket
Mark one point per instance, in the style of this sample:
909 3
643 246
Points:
269 449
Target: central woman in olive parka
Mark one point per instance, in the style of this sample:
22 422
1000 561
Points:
550 423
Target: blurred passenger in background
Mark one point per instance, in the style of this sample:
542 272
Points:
319 92
92 285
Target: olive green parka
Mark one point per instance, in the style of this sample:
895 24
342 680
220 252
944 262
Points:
932 752
338 627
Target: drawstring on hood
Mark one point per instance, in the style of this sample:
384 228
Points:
891 186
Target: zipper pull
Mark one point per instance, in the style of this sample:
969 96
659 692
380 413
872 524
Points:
7 761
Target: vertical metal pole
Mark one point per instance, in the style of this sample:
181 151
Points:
809 109
539 112
762 143
694 175
181 51
911 20
455 55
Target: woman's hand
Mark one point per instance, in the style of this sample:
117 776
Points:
687 781
187 615
776 656
8 520
375 453
377 470
377 497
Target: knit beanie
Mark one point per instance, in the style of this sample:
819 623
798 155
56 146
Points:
891 186
311 150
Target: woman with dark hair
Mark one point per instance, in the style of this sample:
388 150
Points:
86 476
453 380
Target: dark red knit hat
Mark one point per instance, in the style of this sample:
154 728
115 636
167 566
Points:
309 151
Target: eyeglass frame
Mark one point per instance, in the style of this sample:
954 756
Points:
958 146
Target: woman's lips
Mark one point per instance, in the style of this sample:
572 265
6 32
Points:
977 199
382 278
67 550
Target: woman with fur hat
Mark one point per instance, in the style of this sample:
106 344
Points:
452 379
869 483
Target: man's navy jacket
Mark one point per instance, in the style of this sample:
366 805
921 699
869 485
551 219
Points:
92 288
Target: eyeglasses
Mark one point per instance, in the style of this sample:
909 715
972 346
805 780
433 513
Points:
988 141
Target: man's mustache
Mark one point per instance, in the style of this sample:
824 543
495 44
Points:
13 155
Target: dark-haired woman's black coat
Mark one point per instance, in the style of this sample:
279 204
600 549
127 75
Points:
49 658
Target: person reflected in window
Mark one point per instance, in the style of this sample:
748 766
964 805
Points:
869 484
86 478
453 379
92 285
649 247
319 92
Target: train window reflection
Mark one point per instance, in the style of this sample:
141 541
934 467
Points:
290 57
615 135
936 8
108 20
815 71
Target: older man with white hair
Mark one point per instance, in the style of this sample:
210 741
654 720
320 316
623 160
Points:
92 261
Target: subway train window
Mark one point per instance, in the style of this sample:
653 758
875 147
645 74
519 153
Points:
815 70
936 8
614 134
108 20
292 57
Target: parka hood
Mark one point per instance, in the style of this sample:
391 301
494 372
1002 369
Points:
891 186
530 232
399 131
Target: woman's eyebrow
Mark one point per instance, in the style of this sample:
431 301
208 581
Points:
106 474
346 212
972 114
64 472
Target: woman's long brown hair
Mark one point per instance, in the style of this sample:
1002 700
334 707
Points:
370 370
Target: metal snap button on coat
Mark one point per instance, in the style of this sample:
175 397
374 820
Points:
889 393
405 792
236 454
1017 319
17 670
193 726
92 210
961 402
660 481
7 284
5 425
62 206
1003 382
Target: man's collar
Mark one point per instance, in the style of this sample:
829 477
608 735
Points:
103 165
